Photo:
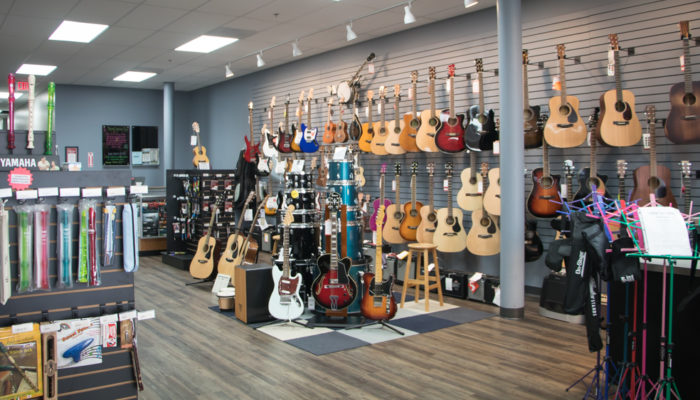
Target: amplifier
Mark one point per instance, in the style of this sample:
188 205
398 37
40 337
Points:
253 289
553 293
454 284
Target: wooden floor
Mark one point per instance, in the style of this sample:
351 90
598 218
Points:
191 352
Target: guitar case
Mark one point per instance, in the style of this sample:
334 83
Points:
243 181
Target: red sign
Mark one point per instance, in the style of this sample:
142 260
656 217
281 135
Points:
23 86
19 178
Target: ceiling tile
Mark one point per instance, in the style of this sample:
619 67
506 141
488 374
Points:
280 11
5 5
183 4
43 8
198 23
41 28
101 50
99 11
251 24
123 36
166 40
149 17
234 8
140 54
169 60
54 53
80 61
69 75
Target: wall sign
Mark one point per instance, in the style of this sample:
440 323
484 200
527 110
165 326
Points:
19 178
115 145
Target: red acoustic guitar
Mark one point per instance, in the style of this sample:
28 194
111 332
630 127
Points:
450 137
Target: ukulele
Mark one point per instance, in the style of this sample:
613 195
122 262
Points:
544 200
199 151
618 125
11 113
234 243
531 114
621 174
394 213
330 128
685 185
284 139
334 288
683 122
355 126
268 138
481 130
469 197
379 201
450 137
564 127
396 126
359 170
492 194
411 121
308 142
285 302
652 178
484 237
380 129
251 150
378 301
588 177
365 140
411 211
202 264
425 137
298 130
449 234
341 133
426 229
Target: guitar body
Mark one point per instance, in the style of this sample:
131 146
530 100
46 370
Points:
366 137
450 137
484 238
392 227
645 184
297 134
341 133
373 217
564 127
250 253
251 151
200 154
544 194
425 137
426 229
683 122
407 139
227 261
533 243
468 197
393 140
284 141
450 236
268 147
619 125
202 264
481 131
308 142
532 131
411 221
585 184
492 194
355 128
285 302
329 132
334 296
378 303
380 135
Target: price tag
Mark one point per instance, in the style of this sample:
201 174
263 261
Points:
248 215
682 63
69 192
46 328
5 192
26 194
496 147
306 107
127 315
370 68
22 328
298 166
92 192
563 189
556 83
312 303
476 277
448 88
339 153
138 189
410 93
402 255
48 192
262 222
480 187
646 137
611 57
393 185
115 191
105 319
475 86
220 282
203 165
611 69
445 186
327 226
380 107
148 314
193 140
91 159
448 283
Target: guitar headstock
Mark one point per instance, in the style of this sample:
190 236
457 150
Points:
383 169
484 169
414 168
451 70
310 95
431 73
272 102
397 90
621 168
479 65
248 199
650 112
330 101
593 119
685 169
614 44
561 51
314 160
334 201
286 102
449 167
685 29
250 106
301 97
219 200
431 168
569 168
397 168
414 76
380 217
381 92
195 127
525 57
288 215
370 96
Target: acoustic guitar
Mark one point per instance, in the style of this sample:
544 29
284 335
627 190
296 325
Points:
380 128
394 213
652 179
268 138
450 137
618 125
588 177
411 121
396 126
365 140
202 264
341 132
564 127
379 201
621 175
544 200
250 246
285 302
492 194
234 243
297 130
484 237
200 152
686 184
430 122
334 288
481 131
428 217
378 301
470 196
355 129
683 122
251 150
449 234
531 114
308 143
411 211
330 128
284 139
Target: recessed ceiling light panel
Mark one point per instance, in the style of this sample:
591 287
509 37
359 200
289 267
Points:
5 95
81 32
134 76
206 44
36 69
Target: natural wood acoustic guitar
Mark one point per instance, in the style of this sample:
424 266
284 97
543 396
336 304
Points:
564 127
531 114
470 196
381 131
330 129
202 264
484 237
428 216
588 177
683 122
394 213
430 122
411 121
341 133
396 126
200 152
365 140
411 211
234 243
450 236
492 194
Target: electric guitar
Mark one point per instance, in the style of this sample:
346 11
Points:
200 152
251 150
450 137
544 200
298 130
378 301
492 194
234 243
588 177
618 125
330 129
264 164
411 210
379 201
481 130
202 264
430 123
683 122
308 142
686 184
428 217
470 196
411 121
271 205
396 126
341 133
380 129
484 237
531 114
334 288
268 135
31 79
11 112
285 302
564 127
394 213
449 234
365 140
653 178
284 139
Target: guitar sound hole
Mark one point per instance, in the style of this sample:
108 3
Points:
689 99
431 217
450 220
564 109
397 215
654 183
485 222
620 106
547 182
593 182
415 124
472 181
528 114
452 121
483 119
433 121
397 130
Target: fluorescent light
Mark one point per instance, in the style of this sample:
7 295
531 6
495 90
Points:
261 62
134 76
81 32
408 17
470 3
5 95
228 73
35 69
351 34
296 51
206 44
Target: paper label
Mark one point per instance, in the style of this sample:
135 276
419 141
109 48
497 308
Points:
475 86
431 266
367 112
115 191
682 63
262 222
22 328
611 69
611 57
339 153
480 186
204 165
92 192
312 303
193 140
127 315
447 86
48 192
556 83
563 189
138 189
248 215
28 194
109 318
370 68
69 192
410 93
402 255
393 185
5 192
148 314
476 277
221 282
646 137
445 186
496 147
448 283
47 328
298 166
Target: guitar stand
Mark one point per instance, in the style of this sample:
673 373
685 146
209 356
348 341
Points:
378 322
199 282
630 368
283 322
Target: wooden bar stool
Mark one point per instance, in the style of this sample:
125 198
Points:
423 278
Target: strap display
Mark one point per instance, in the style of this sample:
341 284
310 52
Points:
41 246
5 278
130 237
83 242
109 223
64 240
24 247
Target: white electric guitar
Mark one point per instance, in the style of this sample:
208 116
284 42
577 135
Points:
268 147
285 302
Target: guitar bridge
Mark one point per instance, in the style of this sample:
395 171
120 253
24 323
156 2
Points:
485 236
564 125
621 123
690 117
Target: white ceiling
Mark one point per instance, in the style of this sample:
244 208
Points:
143 33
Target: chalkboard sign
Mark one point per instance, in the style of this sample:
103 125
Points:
115 145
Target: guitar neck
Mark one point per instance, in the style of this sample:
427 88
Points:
621 188
381 189
432 97
369 114
545 158
396 112
472 165
618 76
481 92
308 114
383 105
398 184
652 147
250 124
285 250
286 117
569 186
594 144
211 224
414 100
301 114
378 259
413 192
562 80
452 97
449 196
526 100
687 73
334 248
430 191
199 142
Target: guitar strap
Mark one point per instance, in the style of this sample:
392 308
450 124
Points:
93 265
64 241
130 237
41 246
83 242
24 247
5 285
109 223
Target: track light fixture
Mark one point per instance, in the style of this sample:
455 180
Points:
351 34
261 62
296 51
408 17
229 73
470 3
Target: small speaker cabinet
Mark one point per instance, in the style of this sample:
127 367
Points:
253 290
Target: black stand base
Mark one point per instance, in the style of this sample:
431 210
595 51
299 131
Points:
199 282
380 322
335 322
282 322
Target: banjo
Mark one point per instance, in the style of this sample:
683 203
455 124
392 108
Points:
348 89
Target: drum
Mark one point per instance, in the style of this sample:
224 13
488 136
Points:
354 241
302 237
346 190
301 199
299 181
341 171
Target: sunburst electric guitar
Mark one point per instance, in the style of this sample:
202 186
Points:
378 301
